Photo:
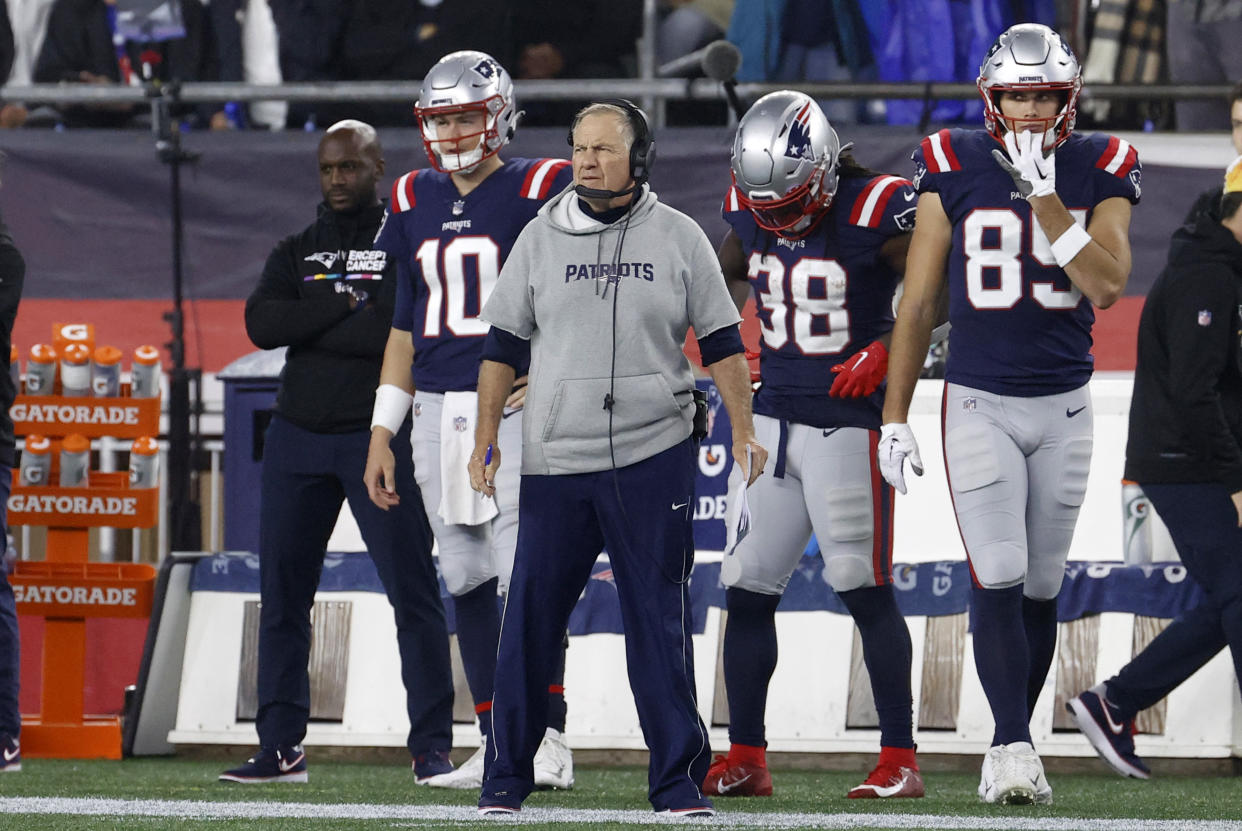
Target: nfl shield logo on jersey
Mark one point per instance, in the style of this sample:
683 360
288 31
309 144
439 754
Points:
969 405
460 423
1205 317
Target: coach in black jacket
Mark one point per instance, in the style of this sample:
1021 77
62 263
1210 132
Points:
329 298
1185 449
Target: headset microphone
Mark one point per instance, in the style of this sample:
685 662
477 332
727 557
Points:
598 193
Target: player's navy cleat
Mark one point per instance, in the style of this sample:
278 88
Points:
429 765
270 764
468 777
498 806
10 754
1111 734
729 778
690 812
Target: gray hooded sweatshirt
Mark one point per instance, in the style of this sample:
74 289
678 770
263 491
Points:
606 309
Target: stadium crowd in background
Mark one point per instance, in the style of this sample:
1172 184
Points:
269 41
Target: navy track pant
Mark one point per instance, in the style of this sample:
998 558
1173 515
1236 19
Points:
1204 526
643 514
305 478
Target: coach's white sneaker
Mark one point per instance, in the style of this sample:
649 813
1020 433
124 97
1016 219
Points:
1014 775
554 762
468 777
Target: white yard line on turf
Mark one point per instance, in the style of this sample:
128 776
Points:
188 809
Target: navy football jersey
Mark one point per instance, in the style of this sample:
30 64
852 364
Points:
449 250
824 297
1020 327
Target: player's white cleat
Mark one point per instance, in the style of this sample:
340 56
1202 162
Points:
554 762
468 777
1014 775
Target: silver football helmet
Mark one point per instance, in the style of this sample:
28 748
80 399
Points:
461 82
784 162
1031 57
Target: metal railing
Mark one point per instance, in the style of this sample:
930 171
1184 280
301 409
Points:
659 91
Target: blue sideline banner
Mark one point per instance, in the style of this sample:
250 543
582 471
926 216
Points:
1161 590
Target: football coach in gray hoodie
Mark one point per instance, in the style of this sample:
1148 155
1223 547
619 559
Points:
604 284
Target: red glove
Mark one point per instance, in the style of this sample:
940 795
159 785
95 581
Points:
861 374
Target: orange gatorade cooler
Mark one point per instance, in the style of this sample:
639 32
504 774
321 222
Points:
36 465
75 459
15 367
75 370
41 369
106 372
146 373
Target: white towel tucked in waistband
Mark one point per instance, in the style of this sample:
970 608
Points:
459 503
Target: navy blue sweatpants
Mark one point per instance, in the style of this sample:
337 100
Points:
305 478
1204 526
643 514
10 642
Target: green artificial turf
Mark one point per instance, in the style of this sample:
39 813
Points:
1080 800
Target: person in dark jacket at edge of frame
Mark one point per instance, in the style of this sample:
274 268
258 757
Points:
1185 450
328 297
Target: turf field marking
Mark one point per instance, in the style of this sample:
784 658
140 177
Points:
459 814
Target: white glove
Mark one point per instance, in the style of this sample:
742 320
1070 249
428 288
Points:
896 444
1034 173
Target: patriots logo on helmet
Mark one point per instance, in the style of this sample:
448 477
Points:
487 68
799 144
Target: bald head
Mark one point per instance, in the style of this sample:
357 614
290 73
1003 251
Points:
359 132
350 164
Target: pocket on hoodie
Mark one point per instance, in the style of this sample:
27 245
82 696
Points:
578 412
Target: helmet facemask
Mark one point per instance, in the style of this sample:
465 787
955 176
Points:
1056 129
794 214
440 150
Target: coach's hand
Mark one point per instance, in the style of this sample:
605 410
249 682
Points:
380 473
750 456
861 374
896 445
483 471
1034 173
517 397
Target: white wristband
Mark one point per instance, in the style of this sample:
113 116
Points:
391 405
1069 244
